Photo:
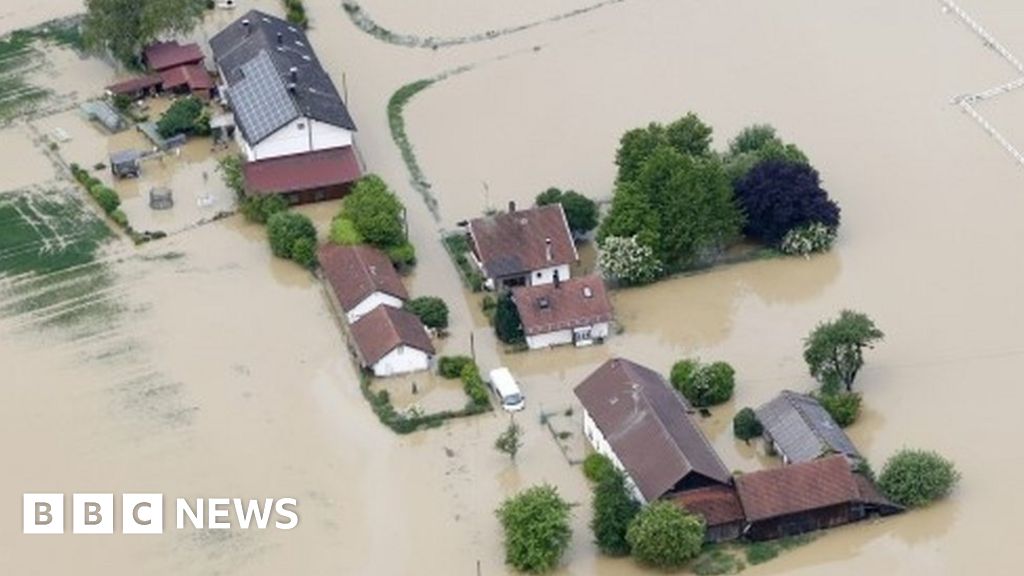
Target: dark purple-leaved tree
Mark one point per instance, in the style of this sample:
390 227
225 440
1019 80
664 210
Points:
778 196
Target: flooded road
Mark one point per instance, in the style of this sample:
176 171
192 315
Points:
199 365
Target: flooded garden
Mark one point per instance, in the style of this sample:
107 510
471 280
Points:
199 364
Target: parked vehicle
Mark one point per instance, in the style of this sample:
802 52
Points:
507 390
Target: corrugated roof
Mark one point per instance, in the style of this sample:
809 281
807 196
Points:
802 429
192 75
357 272
514 243
306 171
797 488
648 426
163 55
384 329
571 304
287 47
133 85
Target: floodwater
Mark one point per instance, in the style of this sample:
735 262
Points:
217 370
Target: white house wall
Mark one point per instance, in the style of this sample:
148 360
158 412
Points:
326 136
547 275
402 360
563 337
298 136
601 446
370 304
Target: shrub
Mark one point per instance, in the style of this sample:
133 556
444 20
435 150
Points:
537 531
432 311
375 212
403 254
120 218
260 208
344 233
230 168
183 117
613 510
105 197
663 536
844 407
597 467
914 478
304 252
452 366
581 213
745 425
806 240
627 261
473 385
703 385
510 441
290 233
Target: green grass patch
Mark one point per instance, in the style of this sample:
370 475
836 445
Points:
396 106
761 552
717 559
19 54
458 248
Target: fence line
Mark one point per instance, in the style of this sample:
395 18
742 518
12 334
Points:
966 106
990 41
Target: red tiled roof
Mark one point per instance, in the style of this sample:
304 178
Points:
797 488
515 242
386 328
132 85
306 171
574 303
192 75
717 504
163 55
648 427
356 272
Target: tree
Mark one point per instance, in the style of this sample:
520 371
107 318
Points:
537 531
664 536
631 215
292 235
613 510
124 27
507 324
843 407
834 351
914 478
689 136
779 196
432 311
627 261
755 144
745 425
510 441
580 212
260 208
375 212
703 385
185 116
344 233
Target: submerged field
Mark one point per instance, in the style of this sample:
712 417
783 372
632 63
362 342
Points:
200 365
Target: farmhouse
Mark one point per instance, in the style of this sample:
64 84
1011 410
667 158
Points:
361 278
806 497
632 416
576 311
391 341
799 429
523 247
285 106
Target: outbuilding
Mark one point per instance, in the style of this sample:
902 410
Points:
391 341
799 429
720 508
361 279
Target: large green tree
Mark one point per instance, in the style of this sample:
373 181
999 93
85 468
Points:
375 212
664 536
124 27
834 351
581 212
508 326
688 135
613 508
537 531
755 144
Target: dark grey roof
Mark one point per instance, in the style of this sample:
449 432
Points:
801 429
286 48
261 102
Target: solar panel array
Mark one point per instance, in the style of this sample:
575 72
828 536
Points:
261 101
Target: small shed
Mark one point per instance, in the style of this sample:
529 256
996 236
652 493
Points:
161 199
104 113
125 164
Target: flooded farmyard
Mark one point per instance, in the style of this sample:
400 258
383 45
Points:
201 365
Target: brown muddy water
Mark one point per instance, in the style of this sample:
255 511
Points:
200 366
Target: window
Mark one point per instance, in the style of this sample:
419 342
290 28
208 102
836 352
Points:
540 274
301 125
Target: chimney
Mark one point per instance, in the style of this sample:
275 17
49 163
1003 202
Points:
511 206
294 72
280 39
547 249
556 278
291 87
245 26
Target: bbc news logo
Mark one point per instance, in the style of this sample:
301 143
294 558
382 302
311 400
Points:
144 513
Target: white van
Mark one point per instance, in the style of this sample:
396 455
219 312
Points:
504 385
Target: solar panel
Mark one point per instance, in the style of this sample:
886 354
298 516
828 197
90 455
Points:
261 101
